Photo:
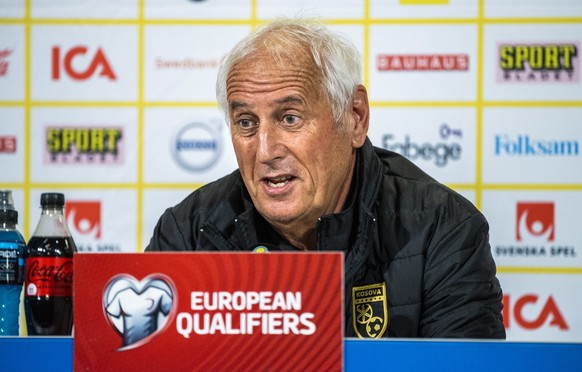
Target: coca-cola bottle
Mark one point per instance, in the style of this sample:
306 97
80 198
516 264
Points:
48 297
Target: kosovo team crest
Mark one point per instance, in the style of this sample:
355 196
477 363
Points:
369 310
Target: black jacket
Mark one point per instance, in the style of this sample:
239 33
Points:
417 258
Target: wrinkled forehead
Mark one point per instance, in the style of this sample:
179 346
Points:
276 58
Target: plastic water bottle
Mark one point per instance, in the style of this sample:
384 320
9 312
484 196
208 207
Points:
12 248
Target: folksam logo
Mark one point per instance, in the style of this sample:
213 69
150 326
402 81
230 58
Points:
524 145
197 146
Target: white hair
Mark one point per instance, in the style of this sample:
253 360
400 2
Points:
334 56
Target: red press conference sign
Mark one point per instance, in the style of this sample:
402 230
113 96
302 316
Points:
208 311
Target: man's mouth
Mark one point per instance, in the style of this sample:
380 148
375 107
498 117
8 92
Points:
277 182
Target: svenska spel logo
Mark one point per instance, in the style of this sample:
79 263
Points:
139 310
84 217
535 220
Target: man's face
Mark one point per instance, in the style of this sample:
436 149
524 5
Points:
294 159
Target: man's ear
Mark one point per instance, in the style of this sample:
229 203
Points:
361 115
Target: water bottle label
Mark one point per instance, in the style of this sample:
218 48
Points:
8 262
49 276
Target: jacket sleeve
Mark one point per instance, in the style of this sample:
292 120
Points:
462 296
167 235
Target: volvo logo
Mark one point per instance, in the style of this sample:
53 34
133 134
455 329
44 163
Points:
197 146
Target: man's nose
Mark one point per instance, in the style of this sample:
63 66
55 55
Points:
270 146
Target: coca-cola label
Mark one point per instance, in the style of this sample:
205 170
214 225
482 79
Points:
49 276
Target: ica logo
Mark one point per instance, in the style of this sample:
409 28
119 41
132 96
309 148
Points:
531 312
535 220
79 64
84 217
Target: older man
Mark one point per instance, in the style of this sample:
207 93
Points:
417 257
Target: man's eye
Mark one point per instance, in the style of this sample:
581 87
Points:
246 123
290 119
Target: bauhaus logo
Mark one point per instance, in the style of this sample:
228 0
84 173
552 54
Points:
532 312
538 62
535 219
440 153
84 145
80 63
84 218
529 146
422 62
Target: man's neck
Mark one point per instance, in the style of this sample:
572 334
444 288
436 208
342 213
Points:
305 240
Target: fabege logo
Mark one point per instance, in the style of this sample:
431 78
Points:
528 305
535 219
84 217
440 153
76 57
139 310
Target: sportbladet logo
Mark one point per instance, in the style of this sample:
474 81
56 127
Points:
139 310
543 62
95 145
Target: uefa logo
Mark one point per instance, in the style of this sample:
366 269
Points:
197 146
139 310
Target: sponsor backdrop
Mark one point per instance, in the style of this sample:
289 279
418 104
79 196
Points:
112 103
